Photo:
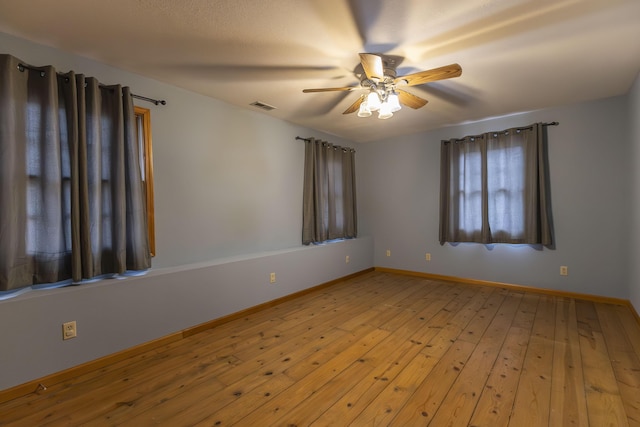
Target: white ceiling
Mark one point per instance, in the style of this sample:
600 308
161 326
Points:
516 55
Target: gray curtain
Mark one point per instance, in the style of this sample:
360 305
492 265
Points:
329 193
494 188
71 196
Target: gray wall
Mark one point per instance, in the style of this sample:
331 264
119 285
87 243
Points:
228 200
634 241
590 171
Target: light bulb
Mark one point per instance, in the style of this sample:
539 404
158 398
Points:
394 102
373 101
385 111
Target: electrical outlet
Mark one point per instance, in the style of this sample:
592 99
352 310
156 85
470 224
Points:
272 277
69 330
346 260
427 256
564 270
388 252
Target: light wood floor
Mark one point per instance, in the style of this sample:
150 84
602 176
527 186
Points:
379 349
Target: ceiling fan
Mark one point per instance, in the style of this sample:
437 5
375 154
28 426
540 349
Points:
384 86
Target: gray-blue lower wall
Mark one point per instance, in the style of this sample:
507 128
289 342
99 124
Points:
113 315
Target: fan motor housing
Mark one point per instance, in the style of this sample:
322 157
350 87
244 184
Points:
389 68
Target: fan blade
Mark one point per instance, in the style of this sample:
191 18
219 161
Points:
446 72
372 65
330 89
355 106
410 100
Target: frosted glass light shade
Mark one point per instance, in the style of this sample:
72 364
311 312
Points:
373 101
394 102
385 111
364 110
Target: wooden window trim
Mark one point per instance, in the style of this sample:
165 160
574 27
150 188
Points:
145 114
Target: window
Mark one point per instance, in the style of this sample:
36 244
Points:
505 187
44 171
494 188
329 195
143 129
73 204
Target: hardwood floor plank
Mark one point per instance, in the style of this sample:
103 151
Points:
271 412
604 403
393 318
568 399
270 370
407 343
451 354
463 396
431 393
630 326
325 331
624 360
446 326
336 297
376 349
425 291
532 403
496 401
199 403
258 385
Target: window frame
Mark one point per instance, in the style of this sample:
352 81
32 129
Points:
143 118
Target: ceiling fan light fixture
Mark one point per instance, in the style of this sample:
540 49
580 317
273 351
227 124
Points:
373 101
379 79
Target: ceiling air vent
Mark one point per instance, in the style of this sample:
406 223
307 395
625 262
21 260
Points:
262 105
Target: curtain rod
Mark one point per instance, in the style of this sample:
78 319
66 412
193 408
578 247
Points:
345 149
496 132
528 127
22 67
144 98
